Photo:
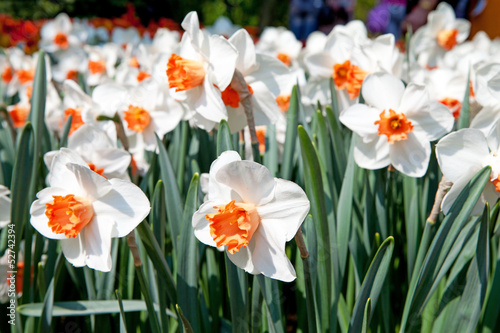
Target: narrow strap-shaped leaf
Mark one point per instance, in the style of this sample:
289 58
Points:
366 316
492 310
158 259
344 209
63 141
337 139
182 156
316 194
372 283
464 117
173 200
48 302
187 273
472 299
271 154
186 325
123 327
292 120
224 138
272 297
153 317
441 244
238 297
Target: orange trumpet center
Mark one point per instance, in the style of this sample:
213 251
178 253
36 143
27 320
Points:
231 98
447 39
133 62
19 115
395 126
68 215
97 67
284 58
283 102
142 76
453 105
233 225
7 74
76 118
184 74
350 77
72 75
137 118
25 75
97 170
61 40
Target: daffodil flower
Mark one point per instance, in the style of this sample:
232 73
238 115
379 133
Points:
4 206
396 125
85 210
57 34
252 214
461 155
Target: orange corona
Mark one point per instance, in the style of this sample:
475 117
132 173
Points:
142 76
97 67
283 102
7 74
453 105
447 39
99 171
76 118
137 118
68 215
233 225
395 126
349 77
61 40
25 75
184 74
284 58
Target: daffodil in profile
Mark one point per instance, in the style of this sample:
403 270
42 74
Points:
251 214
85 211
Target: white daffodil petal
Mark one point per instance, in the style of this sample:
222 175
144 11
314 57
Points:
462 150
253 182
433 122
74 250
269 257
243 259
124 206
287 210
382 91
361 119
201 224
372 154
411 156
217 190
455 190
90 183
98 245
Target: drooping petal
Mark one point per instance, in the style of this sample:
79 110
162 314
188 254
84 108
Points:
251 181
268 254
242 41
455 190
460 151
98 245
411 156
286 211
243 259
124 207
74 250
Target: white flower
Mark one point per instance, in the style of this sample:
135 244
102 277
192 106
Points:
4 206
252 214
85 210
461 155
396 125
204 67
442 33
57 34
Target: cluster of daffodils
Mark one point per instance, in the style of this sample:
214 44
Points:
140 87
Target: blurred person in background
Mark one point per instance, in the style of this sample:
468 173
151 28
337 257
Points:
304 17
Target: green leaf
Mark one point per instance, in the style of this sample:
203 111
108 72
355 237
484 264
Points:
224 138
271 292
85 308
158 259
271 154
337 139
237 283
187 274
472 299
316 194
123 327
344 209
464 118
372 283
173 200
21 180
441 245
46 309
292 120
185 322
152 315
366 316
491 308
